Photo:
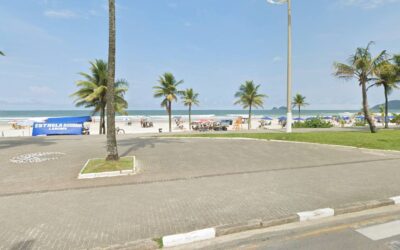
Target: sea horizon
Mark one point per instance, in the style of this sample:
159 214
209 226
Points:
7 115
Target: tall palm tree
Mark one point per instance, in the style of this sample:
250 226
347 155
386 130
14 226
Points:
112 149
1 53
190 98
299 101
92 92
362 66
387 76
249 97
168 89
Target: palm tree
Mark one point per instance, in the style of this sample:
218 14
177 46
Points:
249 97
92 92
299 101
387 76
112 149
2 54
362 66
168 89
190 98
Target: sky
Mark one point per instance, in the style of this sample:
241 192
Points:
213 45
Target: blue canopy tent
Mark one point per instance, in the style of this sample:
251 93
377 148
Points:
60 126
79 119
346 118
267 118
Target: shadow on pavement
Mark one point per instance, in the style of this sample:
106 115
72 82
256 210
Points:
135 144
26 245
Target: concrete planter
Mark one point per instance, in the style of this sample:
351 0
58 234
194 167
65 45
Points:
109 173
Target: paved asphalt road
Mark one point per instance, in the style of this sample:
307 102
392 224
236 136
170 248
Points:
376 229
183 185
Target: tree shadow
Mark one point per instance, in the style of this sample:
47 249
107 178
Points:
139 143
11 143
26 245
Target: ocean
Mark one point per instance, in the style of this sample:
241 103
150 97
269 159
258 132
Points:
10 115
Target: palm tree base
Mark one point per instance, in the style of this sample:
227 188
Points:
112 158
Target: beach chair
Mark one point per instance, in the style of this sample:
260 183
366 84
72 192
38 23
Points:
238 124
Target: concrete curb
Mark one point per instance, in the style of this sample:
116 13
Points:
146 244
185 238
360 206
109 173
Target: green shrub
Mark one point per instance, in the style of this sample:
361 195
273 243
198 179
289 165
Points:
313 123
360 123
396 119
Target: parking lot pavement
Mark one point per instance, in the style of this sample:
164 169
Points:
183 184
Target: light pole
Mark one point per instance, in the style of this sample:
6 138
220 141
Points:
289 63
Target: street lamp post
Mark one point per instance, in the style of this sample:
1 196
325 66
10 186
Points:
289 63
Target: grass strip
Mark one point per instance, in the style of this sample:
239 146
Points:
101 165
384 139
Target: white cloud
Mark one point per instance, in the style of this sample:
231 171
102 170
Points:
277 59
66 14
41 90
367 4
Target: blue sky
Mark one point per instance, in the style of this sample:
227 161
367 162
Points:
214 45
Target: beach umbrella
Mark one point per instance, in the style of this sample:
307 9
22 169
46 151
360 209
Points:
345 118
298 119
282 118
360 117
267 118
327 117
311 118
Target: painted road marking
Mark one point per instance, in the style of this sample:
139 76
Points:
382 231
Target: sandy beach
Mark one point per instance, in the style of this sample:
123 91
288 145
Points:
132 125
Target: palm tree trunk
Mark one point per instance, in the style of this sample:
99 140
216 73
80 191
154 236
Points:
112 150
170 116
190 117
249 122
101 124
371 123
386 107
299 112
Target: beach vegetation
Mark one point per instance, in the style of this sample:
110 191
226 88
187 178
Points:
363 67
299 101
2 53
396 119
93 89
249 97
387 76
190 98
313 123
167 89
112 148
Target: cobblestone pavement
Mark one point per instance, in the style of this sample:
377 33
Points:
183 185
